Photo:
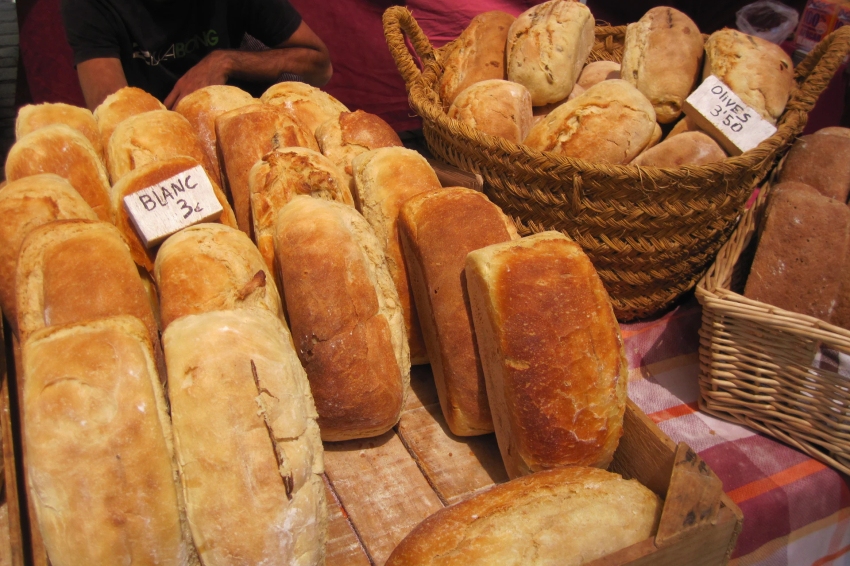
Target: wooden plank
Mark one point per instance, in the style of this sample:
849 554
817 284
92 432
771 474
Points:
343 547
10 472
456 467
381 489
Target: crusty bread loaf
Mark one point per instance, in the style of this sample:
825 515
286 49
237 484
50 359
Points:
435 233
478 54
145 176
152 136
34 116
611 122
344 138
384 179
758 71
344 312
73 271
308 104
833 131
25 205
234 274
203 106
246 438
552 354
244 136
598 71
496 107
547 48
119 106
662 58
64 151
100 461
565 517
686 124
278 177
689 148
822 161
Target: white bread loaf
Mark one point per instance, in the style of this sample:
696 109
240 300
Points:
34 116
309 105
496 107
120 105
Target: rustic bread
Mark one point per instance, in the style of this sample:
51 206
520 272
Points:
822 161
547 48
146 176
758 71
611 122
436 235
552 354
563 517
478 54
34 116
496 107
598 71
662 58
833 131
246 438
119 106
308 104
100 457
244 136
64 151
686 124
689 148
384 179
344 312
203 106
25 205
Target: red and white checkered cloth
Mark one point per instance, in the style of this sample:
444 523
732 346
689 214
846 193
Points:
796 510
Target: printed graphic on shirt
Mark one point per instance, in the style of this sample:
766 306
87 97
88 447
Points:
177 50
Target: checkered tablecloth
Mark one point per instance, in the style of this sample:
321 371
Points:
796 510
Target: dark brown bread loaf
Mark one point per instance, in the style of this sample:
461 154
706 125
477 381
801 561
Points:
822 161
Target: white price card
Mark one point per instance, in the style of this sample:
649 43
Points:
171 205
721 113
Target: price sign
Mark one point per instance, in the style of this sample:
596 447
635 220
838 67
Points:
721 113
171 205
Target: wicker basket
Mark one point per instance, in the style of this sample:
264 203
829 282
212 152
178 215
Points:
759 365
650 232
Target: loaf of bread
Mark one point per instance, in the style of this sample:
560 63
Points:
145 176
547 48
758 71
100 462
34 116
278 177
234 273
611 122
25 205
64 151
552 354
822 161
352 133
308 104
689 148
74 271
344 312
540 112
598 71
662 58
496 107
686 124
119 106
833 131
246 438
244 136
478 54
384 180
203 106
153 136
565 517
438 228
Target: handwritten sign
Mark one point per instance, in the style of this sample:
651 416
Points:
171 205
721 113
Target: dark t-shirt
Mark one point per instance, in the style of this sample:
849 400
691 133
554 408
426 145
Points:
158 41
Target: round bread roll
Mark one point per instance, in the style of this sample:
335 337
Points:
833 131
547 47
307 103
611 122
662 57
119 106
564 517
598 71
689 148
496 107
34 116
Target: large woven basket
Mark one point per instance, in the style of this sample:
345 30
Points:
650 232
770 369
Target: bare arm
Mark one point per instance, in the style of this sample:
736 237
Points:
99 78
304 54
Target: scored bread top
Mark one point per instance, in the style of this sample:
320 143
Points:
119 106
62 150
310 105
34 116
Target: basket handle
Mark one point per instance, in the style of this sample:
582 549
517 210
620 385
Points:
819 66
398 22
